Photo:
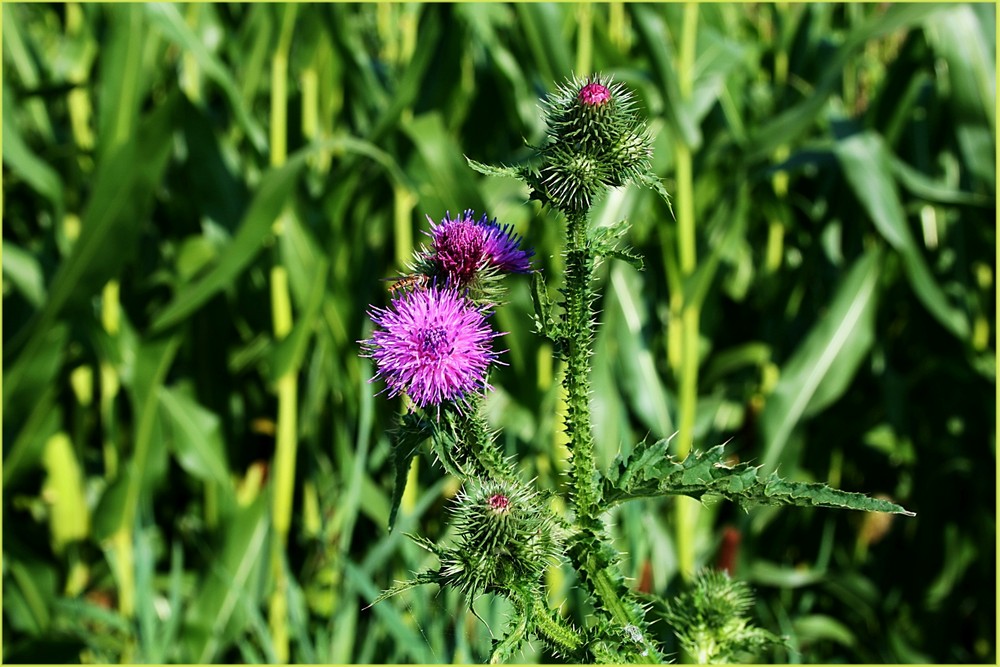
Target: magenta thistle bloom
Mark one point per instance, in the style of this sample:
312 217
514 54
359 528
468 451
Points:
594 94
432 344
464 246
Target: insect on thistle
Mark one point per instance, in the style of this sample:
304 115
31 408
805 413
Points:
411 281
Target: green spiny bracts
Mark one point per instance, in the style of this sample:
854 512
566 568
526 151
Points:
594 111
506 538
596 140
462 442
630 155
573 179
710 620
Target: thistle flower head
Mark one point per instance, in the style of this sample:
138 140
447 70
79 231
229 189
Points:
463 247
431 344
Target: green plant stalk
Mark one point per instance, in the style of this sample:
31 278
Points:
78 102
110 319
685 508
585 38
578 337
287 385
122 540
775 228
617 32
548 623
578 328
284 465
403 203
190 74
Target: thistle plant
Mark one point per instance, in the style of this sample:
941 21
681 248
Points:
434 343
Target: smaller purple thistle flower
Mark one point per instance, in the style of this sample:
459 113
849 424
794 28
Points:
432 344
464 246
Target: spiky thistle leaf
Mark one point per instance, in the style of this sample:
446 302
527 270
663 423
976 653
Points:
650 471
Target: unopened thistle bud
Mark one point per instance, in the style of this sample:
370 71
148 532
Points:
710 620
596 140
506 537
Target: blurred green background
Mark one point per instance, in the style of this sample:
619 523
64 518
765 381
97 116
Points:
199 202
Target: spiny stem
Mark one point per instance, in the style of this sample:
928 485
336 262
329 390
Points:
578 331
476 437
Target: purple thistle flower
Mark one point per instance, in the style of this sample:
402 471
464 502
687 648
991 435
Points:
464 246
432 344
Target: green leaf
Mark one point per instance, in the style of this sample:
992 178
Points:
120 76
629 347
25 272
69 517
124 182
228 587
923 186
23 162
168 18
961 39
656 185
817 627
195 436
153 361
26 381
545 325
786 127
406 439
656 38
443 168
389 617
606 241
650 471
822 366
491 170
540 23
271 197
865 162
44 419
288 353
29 592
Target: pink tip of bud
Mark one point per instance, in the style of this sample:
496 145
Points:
499 502
594 94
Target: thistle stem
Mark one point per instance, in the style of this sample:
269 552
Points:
578 335
578 331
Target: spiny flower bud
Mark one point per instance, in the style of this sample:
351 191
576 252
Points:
573 179
710 620
506 536
630 157
596 140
